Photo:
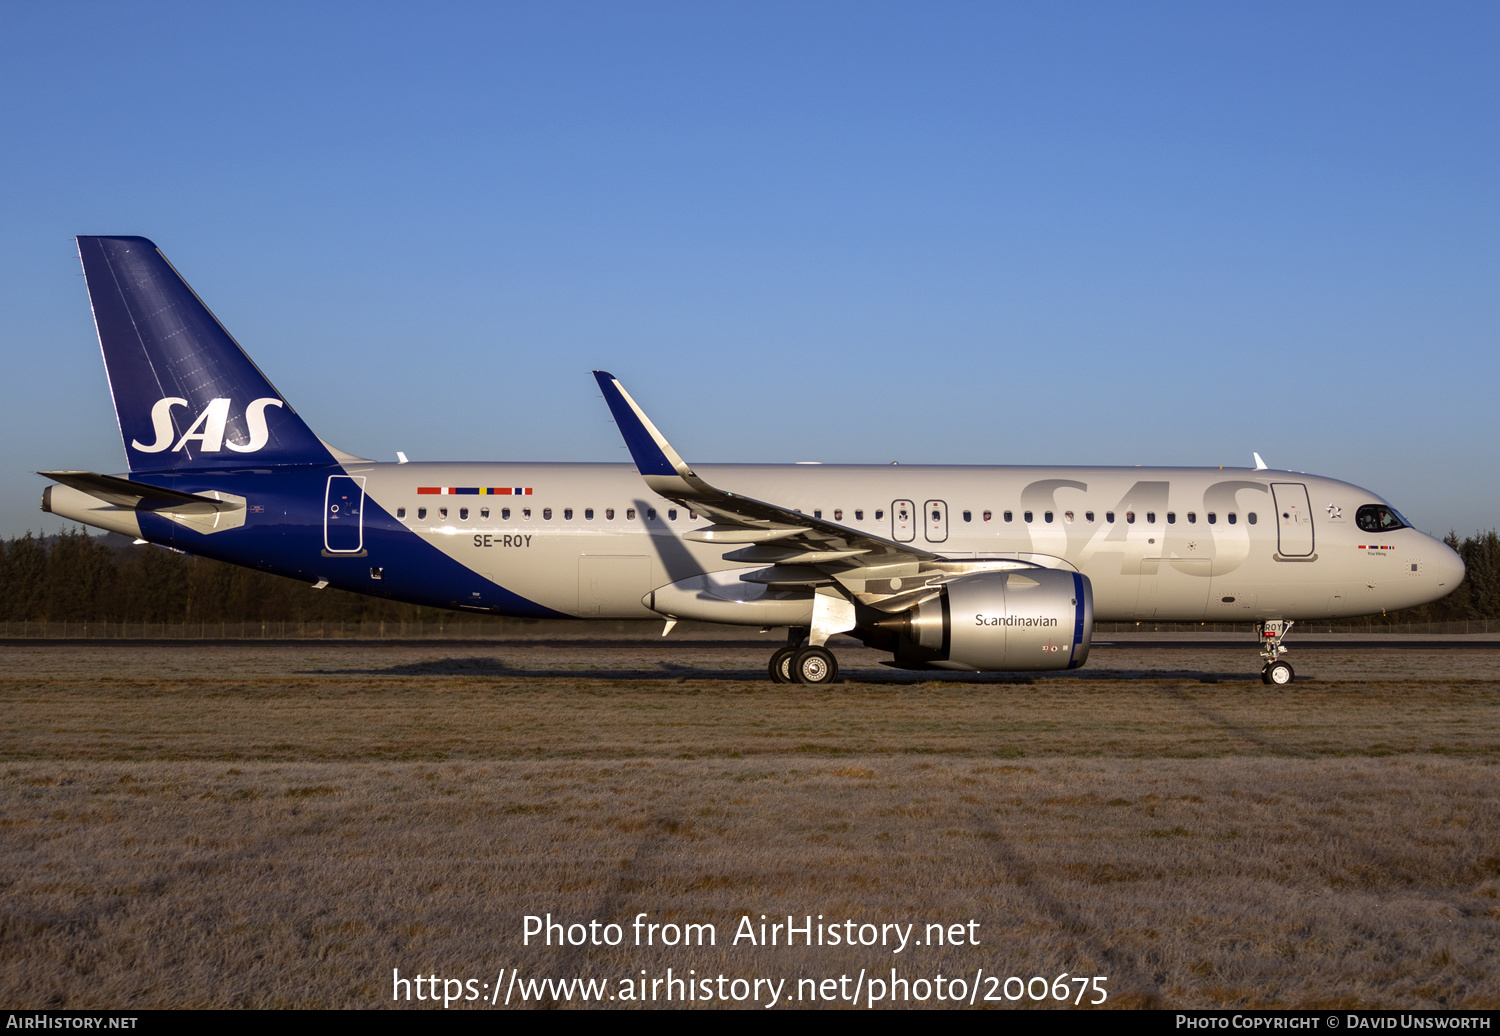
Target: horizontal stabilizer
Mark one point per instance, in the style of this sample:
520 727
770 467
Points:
138 496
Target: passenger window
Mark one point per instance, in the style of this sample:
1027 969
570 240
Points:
1171 518
1129 517
692 514
1007 516
567 514
1212 518
880 515
1150 517
1068 517
650 514
442 512
505 514
1047 517
988 515
400 512
1027 516
630 514
1250 517
1109 517
838 515
609 514
526 514
968 516
421 513
672 515
859 516
1231 517
1192 518
818 513
484 512
1088 516
463 514
546 514
588 514
937 516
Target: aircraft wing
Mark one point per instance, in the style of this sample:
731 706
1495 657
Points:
801 549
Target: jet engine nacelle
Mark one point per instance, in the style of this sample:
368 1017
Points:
1005 622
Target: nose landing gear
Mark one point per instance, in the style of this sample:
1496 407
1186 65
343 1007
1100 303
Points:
1277 672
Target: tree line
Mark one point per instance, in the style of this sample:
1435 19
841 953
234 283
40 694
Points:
77 577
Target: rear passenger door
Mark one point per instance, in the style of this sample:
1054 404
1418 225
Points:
343 515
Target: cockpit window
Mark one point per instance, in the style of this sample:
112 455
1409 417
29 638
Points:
1379 518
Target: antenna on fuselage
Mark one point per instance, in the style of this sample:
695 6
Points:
1260 465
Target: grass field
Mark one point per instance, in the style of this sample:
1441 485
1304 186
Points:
273 825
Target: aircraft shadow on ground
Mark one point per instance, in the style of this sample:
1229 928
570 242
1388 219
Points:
484 666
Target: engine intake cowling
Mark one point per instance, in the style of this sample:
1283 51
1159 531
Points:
1004 622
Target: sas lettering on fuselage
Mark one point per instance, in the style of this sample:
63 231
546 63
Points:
506 540
1012 620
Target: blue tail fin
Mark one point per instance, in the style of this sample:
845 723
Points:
185 393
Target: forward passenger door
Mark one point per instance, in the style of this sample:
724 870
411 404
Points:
1294 524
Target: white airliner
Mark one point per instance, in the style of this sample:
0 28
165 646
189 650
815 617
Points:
964 568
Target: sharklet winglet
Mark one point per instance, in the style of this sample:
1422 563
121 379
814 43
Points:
652 454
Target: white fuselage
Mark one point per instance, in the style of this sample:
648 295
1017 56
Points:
1180 544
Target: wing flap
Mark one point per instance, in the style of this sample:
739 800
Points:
790 554
734 534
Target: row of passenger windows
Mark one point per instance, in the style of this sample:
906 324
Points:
1068 517
567 514
1109 516
1029 517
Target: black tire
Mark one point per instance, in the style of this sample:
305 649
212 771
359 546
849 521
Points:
815 666
781 665
1278 674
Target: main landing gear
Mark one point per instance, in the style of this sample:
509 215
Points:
1277 672
797 663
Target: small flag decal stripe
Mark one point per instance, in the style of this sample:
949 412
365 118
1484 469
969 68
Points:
474 490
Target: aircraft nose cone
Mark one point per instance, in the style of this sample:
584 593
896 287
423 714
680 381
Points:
1448 567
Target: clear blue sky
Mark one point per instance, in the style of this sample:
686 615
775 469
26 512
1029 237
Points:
947 233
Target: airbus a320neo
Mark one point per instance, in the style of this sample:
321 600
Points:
966 568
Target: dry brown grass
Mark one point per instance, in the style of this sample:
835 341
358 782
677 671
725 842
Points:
262 826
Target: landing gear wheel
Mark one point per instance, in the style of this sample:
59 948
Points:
781 665
1277 674
815 665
